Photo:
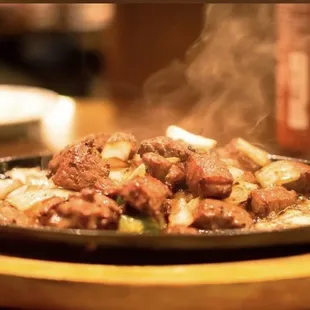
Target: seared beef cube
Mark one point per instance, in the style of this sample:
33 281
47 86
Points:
208 177
215 214
107 187
10 215
157 166
176 176
146 195
302 185
182 230
274 199
79 166
165 147
88 210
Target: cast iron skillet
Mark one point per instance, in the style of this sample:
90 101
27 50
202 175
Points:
114 247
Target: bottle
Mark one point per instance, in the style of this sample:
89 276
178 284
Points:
292 77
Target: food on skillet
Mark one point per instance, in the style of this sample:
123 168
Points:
180 183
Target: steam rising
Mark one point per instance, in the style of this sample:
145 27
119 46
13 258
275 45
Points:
225 86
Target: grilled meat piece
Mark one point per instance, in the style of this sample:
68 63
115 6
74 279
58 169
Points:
208 177
80 165
157 166
107 187
173 175
87 210
10 215
215 214
274 199
302 185
175 179
165 147
146 195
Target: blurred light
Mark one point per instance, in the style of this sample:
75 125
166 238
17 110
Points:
57 126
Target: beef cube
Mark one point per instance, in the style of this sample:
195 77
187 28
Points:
165 147
274 199
146 195
175 179
157 166
215 214
87 210
80 165
208 177
302 185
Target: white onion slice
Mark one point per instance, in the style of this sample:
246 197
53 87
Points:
198 142
118 175
277 173
7 186
235 172
31 176
241 192
257 155
118 149
180 213
25 198
139 171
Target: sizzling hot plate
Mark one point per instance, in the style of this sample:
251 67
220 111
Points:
77 244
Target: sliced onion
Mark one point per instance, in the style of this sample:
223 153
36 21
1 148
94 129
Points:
241 192
118 175
116 163
173 160
198 142
26 197
117 149
236 173
31 176
256 154
180 213
193 204
7 186
139 171
277 173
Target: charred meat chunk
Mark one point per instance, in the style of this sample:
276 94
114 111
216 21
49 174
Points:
215 214
208 177
176 176
173 175
10 215
302 185
165 147
79 166
274 199
107 187
157 166
146 195
87 210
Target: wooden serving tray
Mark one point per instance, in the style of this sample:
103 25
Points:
280 283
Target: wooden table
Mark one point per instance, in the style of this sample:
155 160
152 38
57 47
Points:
281 283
